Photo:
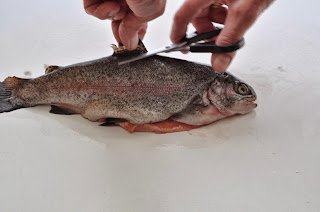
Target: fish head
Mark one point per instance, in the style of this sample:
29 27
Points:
231 95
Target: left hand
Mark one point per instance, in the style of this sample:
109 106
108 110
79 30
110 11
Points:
129 17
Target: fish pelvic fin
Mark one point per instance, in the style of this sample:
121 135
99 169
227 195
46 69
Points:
64 109
112 121
122 49
6 88
166 126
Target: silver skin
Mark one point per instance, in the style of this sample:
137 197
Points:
145 91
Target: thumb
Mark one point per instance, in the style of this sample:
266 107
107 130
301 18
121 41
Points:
240 17
129 29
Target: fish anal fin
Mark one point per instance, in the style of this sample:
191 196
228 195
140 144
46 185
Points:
112 121
50 69
64 109
122 49
102 120
167 126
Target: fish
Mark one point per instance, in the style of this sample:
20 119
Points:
157 94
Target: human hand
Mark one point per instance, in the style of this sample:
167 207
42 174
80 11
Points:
237 19
129 17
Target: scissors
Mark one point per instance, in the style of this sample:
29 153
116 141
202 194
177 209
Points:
195 42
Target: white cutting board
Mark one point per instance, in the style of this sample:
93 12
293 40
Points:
267 160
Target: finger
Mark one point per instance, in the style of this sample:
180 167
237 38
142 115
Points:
203 23
187 12
89 3
104 10
220 62
120 14
240 17
150 9
115 29
142 31
128 30
218 14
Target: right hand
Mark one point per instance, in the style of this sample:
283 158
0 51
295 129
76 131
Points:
237 19
129 17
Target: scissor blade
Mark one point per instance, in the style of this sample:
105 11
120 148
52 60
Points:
142 56
149 54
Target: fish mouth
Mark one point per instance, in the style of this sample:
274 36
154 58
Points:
251 101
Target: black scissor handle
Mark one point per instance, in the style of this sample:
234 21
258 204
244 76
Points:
195 37
213 48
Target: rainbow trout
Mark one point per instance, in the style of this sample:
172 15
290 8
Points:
157 94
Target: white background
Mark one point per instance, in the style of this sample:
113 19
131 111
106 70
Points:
267 160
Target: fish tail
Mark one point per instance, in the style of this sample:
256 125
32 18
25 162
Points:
7 101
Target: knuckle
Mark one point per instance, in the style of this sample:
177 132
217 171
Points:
247 13
227 39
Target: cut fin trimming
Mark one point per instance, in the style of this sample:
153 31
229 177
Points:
50 69
122 49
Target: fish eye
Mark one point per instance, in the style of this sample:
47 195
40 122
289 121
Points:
243 89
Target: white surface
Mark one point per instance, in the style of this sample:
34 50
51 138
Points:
267 160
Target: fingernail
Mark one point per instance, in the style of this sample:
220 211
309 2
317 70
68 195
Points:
221 62
112 13
116 18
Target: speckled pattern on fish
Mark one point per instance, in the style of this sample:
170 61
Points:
147 91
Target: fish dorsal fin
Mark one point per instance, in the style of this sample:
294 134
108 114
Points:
122 49
50 68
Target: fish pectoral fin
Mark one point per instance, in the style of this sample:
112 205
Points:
167 126
64 109
112 121
50 69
